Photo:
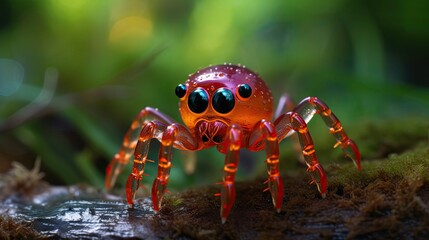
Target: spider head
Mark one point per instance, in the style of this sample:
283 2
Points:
215 97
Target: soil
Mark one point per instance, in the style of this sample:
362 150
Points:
388 207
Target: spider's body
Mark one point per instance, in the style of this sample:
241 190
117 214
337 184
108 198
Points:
217 97
229 107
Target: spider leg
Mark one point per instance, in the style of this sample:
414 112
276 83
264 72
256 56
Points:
177 136
174 135
267 131
120 159
312 105
293 121
164 165
149 131
285 105
232 157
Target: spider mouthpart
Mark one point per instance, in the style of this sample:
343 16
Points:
217 139
205 138
212 132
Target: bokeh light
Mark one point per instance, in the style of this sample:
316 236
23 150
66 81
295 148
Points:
366 59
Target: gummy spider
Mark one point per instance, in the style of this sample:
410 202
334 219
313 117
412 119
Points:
229 107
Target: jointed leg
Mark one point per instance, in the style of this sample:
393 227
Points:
275 182
286 105
293 121
148 132
120 159
232 158
174 135
310 106
164 164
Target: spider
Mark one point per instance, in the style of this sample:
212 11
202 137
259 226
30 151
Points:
230 107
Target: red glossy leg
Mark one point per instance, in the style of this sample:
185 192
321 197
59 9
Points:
267 132
164 164
232 157
129 143
174 135
287 105
293 121
312 105
140 157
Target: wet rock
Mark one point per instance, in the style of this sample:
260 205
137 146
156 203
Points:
79 212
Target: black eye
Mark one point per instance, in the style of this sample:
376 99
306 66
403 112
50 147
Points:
198 101
223 101
180 90
244 90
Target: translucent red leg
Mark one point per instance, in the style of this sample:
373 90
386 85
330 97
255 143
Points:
232 158
149 131
312 105
120 159
174 135
293 121
285 105
266 131
164 164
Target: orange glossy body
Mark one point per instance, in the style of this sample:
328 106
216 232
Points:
247 112
229 107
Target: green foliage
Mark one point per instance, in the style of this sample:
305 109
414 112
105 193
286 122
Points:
112 58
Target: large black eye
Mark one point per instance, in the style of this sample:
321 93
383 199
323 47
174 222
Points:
180 90
198 100
244 90
223 101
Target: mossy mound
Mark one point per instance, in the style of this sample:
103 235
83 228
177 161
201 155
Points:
381 201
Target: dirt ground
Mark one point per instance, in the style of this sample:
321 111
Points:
388 207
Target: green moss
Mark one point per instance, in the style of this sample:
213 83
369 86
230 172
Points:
412 164
378 139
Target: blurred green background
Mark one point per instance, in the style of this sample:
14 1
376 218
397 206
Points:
73 74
